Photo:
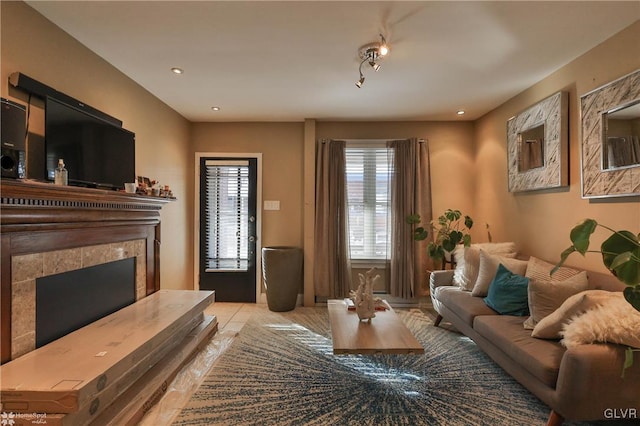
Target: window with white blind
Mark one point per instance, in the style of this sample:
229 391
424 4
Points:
227 187
368 169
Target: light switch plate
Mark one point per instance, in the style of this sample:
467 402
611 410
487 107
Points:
272 205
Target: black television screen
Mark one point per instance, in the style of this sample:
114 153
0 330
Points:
96 153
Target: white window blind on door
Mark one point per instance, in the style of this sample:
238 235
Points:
368 169
227 211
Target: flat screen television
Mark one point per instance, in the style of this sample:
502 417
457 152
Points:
96 153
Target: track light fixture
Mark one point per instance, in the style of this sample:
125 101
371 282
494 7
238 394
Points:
372 53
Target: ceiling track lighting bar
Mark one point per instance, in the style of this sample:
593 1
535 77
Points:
372 53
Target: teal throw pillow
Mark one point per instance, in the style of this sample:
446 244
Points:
508 293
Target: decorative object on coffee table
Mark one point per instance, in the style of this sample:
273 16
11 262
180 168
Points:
363 298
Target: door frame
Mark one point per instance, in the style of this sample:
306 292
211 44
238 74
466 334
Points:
196 221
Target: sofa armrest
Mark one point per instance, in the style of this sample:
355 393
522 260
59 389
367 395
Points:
440 278
590 385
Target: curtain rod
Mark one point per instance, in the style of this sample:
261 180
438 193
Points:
420 140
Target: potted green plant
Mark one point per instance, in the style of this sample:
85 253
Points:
620 255
450 230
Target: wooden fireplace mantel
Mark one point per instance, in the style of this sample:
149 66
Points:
37 217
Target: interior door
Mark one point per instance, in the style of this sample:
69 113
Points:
228 228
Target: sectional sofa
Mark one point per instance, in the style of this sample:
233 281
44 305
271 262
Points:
579 383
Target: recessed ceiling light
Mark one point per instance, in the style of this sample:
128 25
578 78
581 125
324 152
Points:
177 70
215 108
460 112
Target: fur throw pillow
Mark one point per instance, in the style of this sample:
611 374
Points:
614 321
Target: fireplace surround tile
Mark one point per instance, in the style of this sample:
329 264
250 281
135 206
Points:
59 261
24 308
25 269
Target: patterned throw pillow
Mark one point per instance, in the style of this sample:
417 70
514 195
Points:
547 296
540 270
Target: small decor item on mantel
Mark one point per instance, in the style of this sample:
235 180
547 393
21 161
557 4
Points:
153 188
61 176
363 300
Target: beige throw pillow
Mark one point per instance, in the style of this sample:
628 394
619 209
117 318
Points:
547 296
614 321
540 270
550 326
488 268
468 261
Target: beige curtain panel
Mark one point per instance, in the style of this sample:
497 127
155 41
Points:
410 194
332 277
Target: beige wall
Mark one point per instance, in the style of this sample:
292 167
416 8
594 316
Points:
281 145
539 222
34 46
468 160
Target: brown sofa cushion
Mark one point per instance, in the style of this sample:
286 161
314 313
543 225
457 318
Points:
539 357
463 304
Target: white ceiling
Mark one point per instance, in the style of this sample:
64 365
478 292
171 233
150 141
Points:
291 60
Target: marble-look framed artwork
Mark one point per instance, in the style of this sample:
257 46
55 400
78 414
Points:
610 139
537 145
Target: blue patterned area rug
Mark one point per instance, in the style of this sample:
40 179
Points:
281 371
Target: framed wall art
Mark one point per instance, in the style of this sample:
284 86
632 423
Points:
610 136
537 144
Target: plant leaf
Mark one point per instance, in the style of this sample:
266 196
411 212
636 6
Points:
628 360
453 215
420 234
620 259
618 252
435 252
413 219
467 240
632 295
468 222
580 235
563 258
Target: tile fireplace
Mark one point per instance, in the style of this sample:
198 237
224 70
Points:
47 230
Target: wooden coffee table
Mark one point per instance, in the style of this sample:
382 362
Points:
385 334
